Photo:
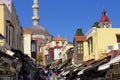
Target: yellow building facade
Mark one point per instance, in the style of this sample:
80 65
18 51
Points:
101 39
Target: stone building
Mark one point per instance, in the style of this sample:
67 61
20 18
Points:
56 45
11 38
27 42
66 52
79 49
39 35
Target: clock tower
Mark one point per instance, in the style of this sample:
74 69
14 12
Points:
105 21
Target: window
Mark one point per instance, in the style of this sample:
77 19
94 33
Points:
33 46
80 47
6 33
46 39
40 49
57 43
9 36
63 43
118 38
90 45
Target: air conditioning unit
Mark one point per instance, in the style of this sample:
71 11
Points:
117 46
109 48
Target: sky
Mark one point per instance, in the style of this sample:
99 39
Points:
64 17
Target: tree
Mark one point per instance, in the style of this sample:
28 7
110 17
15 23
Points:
39 59
96 24
79 32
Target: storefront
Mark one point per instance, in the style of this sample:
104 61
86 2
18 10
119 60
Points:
7 70
112 68
91 72
28 66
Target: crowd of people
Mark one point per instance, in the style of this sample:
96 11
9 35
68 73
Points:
43 73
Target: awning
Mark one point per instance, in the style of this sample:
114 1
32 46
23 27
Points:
65 63
81 72
76 67
7 60
56 63
67 70
96 65
107 65
6 64
2 49
93 66
6 52
1 69
83 69
10 52
12 69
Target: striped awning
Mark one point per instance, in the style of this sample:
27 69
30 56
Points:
107 65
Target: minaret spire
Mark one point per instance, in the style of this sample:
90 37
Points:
104 12
35 17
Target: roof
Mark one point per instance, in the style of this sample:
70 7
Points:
112 61
38 30
80 38
26 31
102 57
59 39
88 62
114 53
104 17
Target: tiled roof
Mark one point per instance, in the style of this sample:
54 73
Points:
26 31
104 17
80 38
59 39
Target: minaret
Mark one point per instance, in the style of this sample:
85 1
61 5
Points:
104 12
35 17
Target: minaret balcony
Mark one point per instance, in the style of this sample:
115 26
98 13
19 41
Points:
35 6
35 18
